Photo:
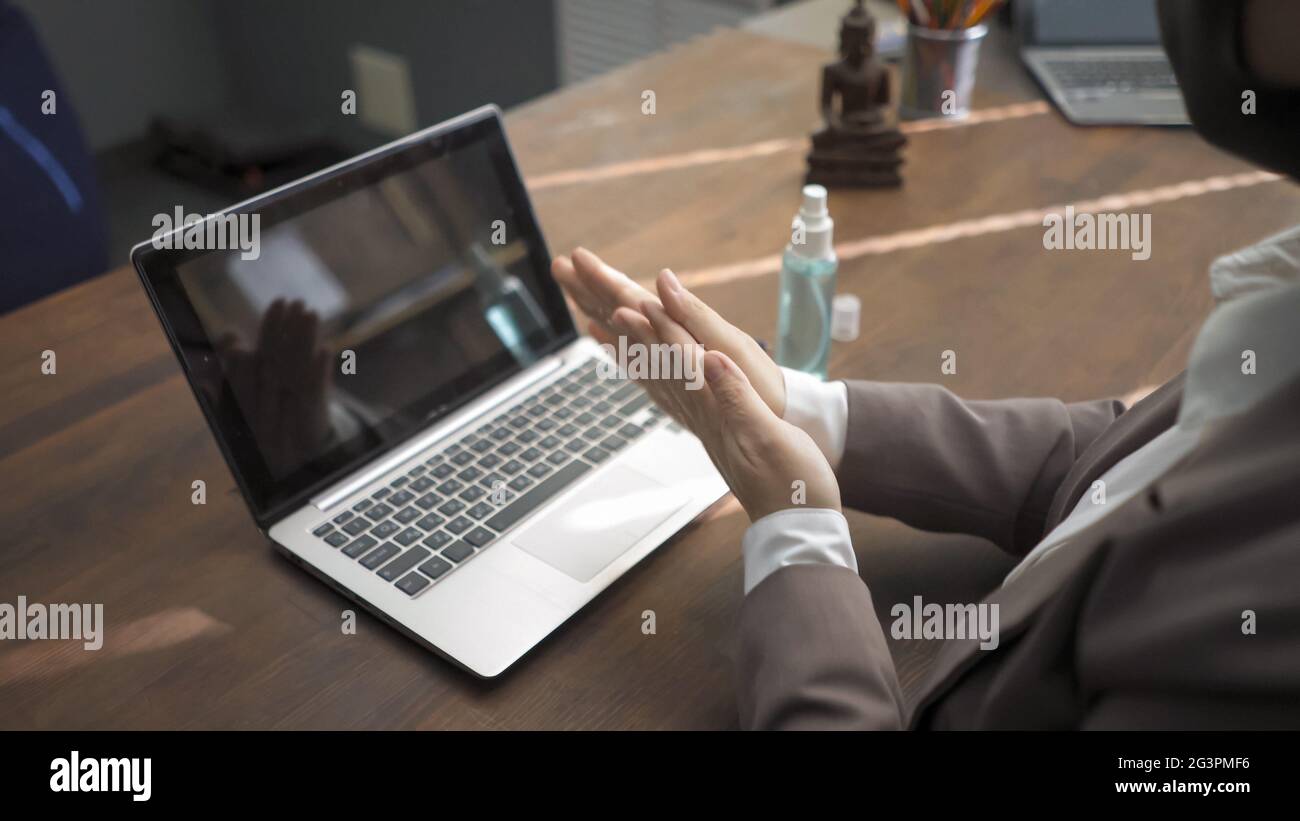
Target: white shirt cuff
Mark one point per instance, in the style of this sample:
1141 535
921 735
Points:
797 535
820 409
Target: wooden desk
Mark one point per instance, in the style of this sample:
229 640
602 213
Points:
208 628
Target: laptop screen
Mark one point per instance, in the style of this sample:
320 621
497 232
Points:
1092 23
380 297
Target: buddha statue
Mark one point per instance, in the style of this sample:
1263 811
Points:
858 146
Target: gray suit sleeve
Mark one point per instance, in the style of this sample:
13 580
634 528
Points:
920 454
812 655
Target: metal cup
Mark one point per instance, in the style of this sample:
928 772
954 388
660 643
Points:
939 61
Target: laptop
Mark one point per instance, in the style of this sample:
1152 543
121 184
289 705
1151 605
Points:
1100 61
395 381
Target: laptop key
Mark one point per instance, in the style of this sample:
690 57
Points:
378 512
407 515
567 429
490 461
379 555
356 527
593 434
385 529
417 470
479 536
437 540
428 500
559 457
408 537
531 455
449 487
550 443
563 413
575 445
481 446
401 497
411 583
510 448
336 539
613 443
323 529
452 507
539 470
530 501
459 525
527 437
618 396
430 522
520 483
473 494
501 433
359 546
512 467
435 567
422 484
635 405
443 471
458 551
611 421
399 481
381 493
545 424
480 510
596 454
630 431
362 505
343 517
397 567
469 474
463 458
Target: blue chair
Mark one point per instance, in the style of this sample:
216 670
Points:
52 231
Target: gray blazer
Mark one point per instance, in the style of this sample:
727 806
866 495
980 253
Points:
1136 624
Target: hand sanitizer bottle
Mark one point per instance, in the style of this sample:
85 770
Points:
807 288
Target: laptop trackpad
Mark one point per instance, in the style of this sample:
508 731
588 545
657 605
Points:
593 527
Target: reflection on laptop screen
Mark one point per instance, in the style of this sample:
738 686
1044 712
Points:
379 300
1094 22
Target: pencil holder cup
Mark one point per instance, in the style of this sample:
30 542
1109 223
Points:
939 71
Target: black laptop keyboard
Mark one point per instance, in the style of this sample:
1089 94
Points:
1113 74
458 500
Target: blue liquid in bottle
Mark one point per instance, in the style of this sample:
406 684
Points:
807 288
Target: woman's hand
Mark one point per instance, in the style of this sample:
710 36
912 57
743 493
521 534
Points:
599 290
768 463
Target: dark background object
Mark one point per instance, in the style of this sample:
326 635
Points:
51 227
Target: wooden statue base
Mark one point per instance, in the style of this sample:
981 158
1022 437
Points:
848 160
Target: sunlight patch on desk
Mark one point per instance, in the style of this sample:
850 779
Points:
35 661
981 226
711 156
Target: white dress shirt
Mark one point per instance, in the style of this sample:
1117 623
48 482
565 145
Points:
1257 291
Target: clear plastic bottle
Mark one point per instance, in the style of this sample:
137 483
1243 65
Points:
807 288
507 305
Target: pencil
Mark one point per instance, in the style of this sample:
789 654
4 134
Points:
982 8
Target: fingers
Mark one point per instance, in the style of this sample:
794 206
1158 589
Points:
607 285
735 398
692 313
563 271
